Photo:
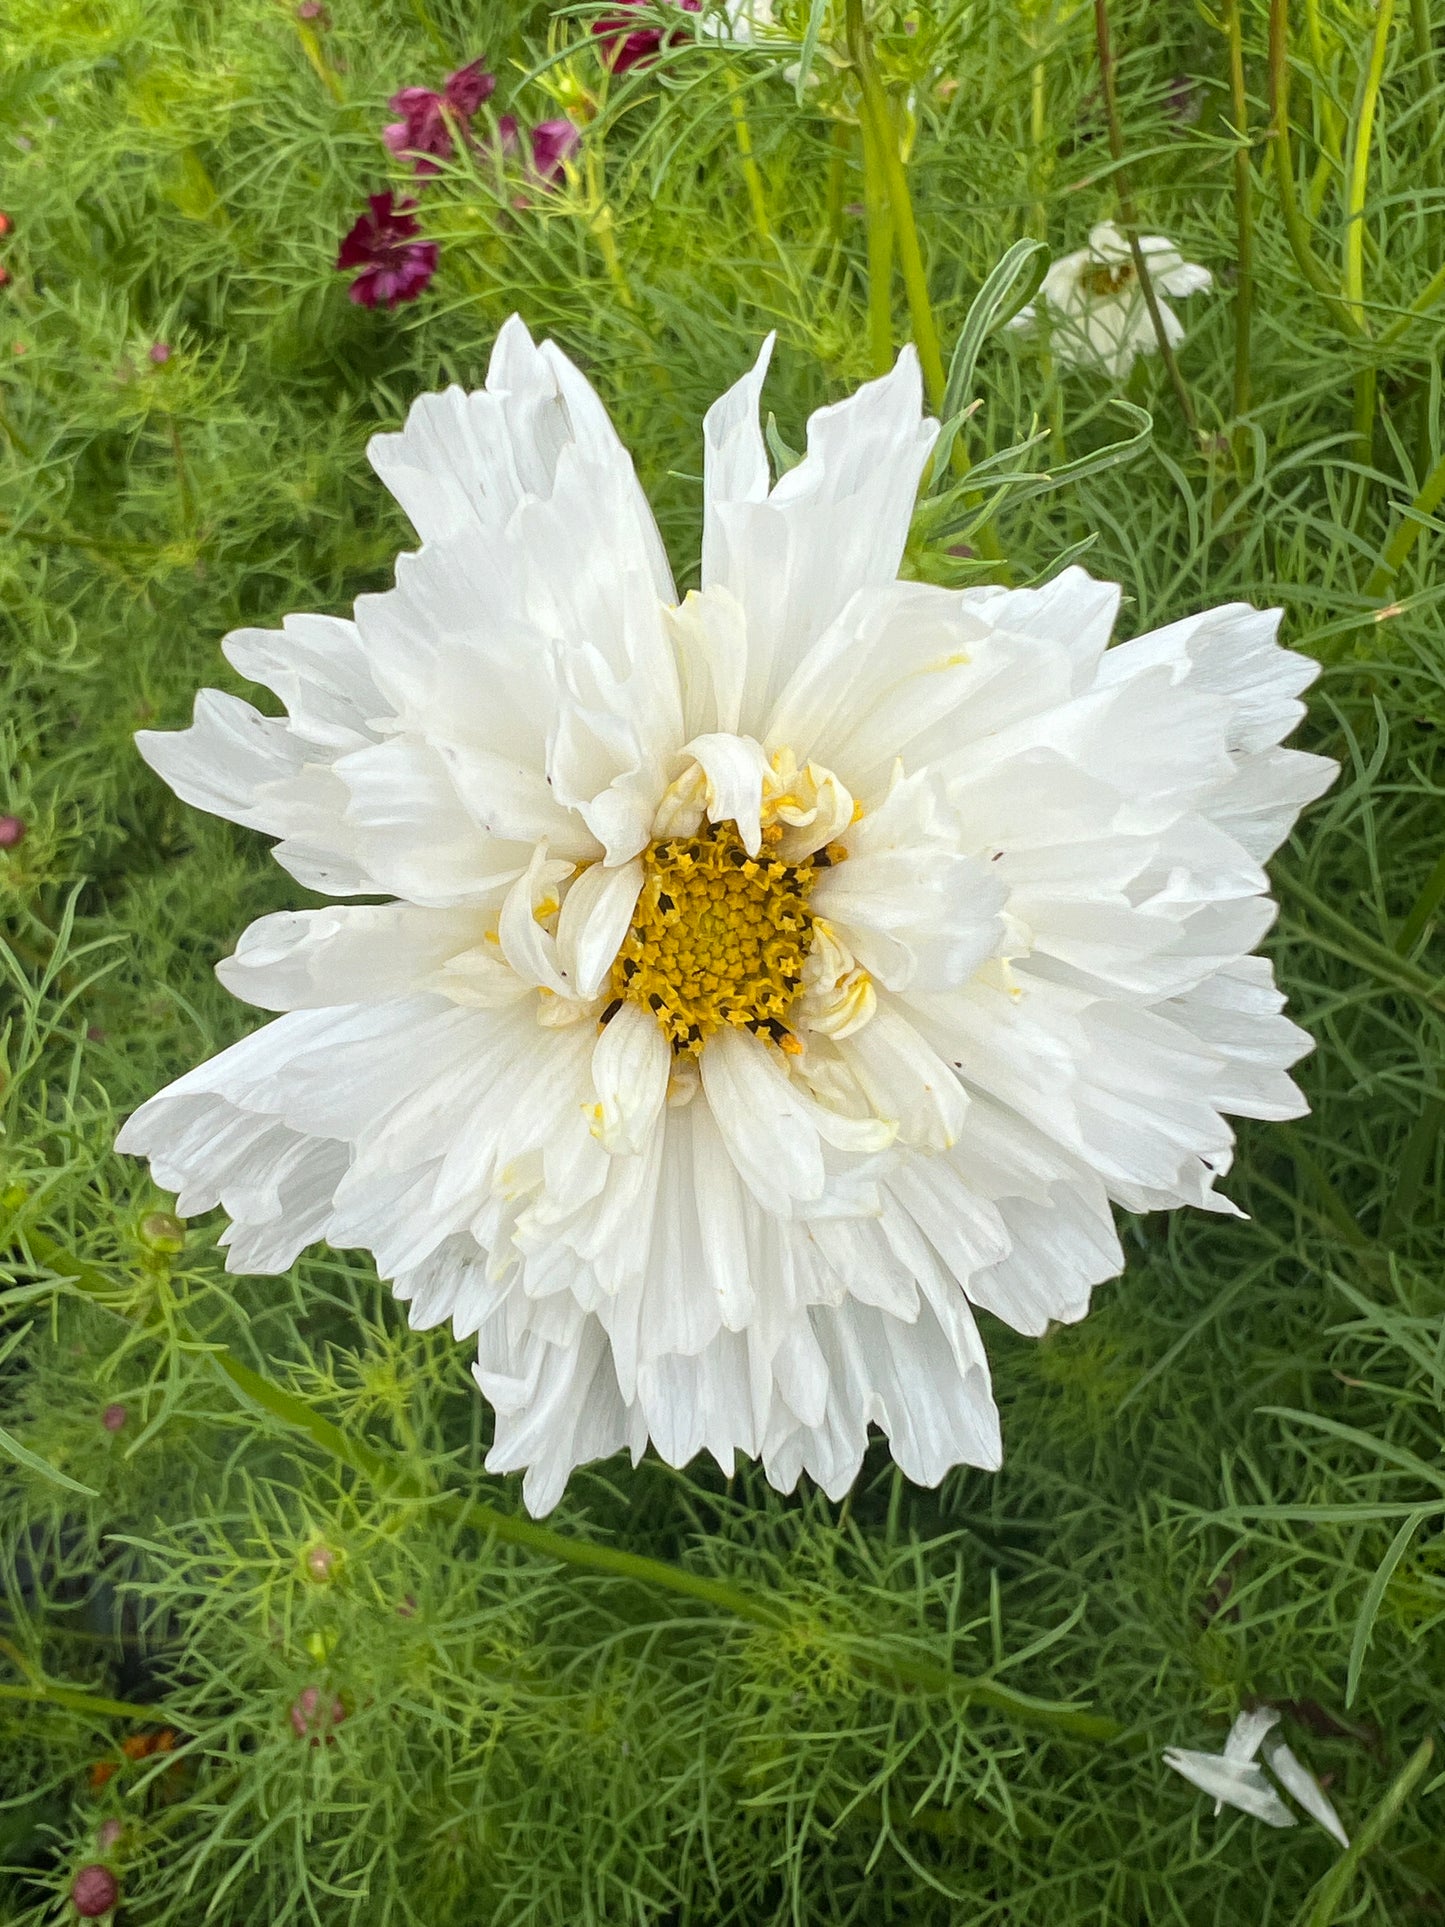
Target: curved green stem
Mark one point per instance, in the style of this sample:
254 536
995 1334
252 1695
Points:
1359 166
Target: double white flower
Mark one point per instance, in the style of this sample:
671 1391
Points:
769 978
1095 308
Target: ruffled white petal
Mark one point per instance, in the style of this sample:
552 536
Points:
792 556
1029 990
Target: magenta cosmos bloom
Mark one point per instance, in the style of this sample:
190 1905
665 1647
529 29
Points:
395 265
624 46
552 141
425 127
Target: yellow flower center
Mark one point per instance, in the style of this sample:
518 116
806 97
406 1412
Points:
718 937
1106 277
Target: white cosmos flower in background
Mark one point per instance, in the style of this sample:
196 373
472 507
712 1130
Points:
1235 1778
1094 308
771 977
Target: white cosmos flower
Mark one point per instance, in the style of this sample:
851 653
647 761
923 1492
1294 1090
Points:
770 977
1235 1778
1096 313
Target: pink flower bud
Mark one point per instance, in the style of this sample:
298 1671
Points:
160 351
312 1719
94 1891
12 832
107 1833
113 1418
320 1563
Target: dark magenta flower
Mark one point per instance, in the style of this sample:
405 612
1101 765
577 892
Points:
552 141
425 128
395 265
624 46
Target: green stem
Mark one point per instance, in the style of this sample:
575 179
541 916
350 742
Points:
42 1693
1363 415
752 178
461 1509
316 56
1322 1909
1359 165
1408 533
1294 221
878 123
880 154
1038 134
1329 114
880 257
841 141
1243 221
1107 75
1422 304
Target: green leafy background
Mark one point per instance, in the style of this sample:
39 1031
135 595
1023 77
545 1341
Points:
691 1699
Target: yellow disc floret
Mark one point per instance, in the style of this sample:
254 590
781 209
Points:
718 937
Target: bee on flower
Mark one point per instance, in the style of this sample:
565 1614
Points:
768 979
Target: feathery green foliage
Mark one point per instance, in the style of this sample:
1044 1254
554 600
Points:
252 1511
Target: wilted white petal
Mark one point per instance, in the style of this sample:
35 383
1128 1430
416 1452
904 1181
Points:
1232 1783
1298 1780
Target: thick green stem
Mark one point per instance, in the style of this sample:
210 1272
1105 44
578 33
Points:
1358 175
461 1509
1409 531
880 256
1108 76
878 124
1243 220
752 177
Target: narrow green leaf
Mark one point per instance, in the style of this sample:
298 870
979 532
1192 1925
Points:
24 1456
1374 1596
817 12
1009 285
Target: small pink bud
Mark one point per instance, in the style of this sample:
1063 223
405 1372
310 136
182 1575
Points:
94 1891
107 1833
12 832
311 1719
321 1563
113 1418
160 352
407 1608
